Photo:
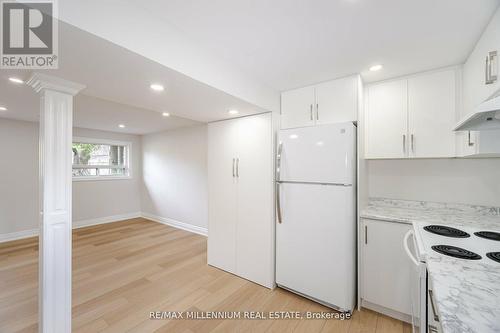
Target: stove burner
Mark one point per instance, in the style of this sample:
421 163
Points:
488 235
446 231
495 256
456 252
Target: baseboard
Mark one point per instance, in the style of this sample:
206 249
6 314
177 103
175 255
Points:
106 219
12 236
176 224
385 311
76 225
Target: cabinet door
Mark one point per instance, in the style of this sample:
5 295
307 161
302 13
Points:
386 267
297 108
386 120
222 194
432 114
337 101
255 236
476 90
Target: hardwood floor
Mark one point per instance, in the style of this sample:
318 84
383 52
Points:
122 271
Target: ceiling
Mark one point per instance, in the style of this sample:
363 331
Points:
283 43
117 89
293 43
89 112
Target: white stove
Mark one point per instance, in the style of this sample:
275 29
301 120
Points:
454 242
459 242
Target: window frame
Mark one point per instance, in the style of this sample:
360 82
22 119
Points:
127 144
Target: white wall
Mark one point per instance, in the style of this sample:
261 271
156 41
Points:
175 175
18 176
469 181
91 200
103 198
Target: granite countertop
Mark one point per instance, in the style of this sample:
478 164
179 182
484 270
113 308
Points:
405 211
467 293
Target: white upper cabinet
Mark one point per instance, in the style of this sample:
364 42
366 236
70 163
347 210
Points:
476 90
477 69
412 117
297 108
330 102
432 114
387 120
337 101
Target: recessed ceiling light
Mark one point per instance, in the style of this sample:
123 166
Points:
156 87
294 136
165 114
233 112
121 126
15 80
375 68
3 108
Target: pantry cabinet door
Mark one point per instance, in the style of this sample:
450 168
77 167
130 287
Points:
337 101
386 268
222 194
432 114
297 108
255 230
386 120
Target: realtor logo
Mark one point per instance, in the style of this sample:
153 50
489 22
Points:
29 35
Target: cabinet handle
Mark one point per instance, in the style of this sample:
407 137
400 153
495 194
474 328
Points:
311 112
366 234
412 146
233 168
238 167
468 140
486 71
404 143
490 78
317 111
431 297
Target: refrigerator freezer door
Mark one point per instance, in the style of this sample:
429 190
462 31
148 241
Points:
315 243
320 154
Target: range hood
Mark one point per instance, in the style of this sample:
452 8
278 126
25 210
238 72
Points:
485 117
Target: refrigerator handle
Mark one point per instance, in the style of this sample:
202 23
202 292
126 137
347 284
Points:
278 168
278 161
278 202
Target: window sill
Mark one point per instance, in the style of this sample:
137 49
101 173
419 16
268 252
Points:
92 179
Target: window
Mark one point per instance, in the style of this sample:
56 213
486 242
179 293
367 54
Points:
100 159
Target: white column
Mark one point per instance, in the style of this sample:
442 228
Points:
56 128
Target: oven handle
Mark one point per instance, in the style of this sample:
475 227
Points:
407 249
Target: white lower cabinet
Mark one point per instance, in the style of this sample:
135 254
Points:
241 216
385 271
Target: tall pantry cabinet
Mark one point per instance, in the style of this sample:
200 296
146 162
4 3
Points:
240 181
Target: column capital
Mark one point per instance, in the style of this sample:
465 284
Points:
40 82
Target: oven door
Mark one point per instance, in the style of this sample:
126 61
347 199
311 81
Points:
418 283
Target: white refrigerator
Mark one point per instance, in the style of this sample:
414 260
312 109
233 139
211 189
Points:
316 213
